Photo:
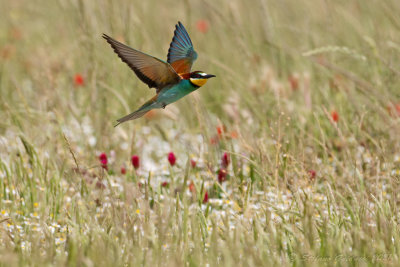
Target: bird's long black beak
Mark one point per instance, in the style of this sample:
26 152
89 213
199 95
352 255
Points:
208 76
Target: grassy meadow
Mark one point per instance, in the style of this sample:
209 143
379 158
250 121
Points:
289 157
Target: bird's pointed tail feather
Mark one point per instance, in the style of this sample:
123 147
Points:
140 112
134 115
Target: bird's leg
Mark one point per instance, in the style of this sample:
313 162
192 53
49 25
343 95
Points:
163 105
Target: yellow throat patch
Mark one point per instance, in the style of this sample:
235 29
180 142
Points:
199 82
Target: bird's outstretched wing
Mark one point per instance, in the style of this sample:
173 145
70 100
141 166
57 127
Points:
181 54
152 71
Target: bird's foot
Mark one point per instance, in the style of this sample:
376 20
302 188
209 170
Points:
163 105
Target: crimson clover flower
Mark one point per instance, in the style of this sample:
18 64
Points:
225 160
221 175
312 174
171 158
103 160
205 200
135 161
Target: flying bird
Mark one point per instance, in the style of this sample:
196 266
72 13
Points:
172 79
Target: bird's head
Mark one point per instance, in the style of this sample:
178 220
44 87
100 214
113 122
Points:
199 78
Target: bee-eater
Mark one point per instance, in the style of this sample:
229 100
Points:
172 79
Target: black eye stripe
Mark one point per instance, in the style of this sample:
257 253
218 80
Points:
196 75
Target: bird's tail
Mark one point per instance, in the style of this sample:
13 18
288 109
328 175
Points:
134 115
140 112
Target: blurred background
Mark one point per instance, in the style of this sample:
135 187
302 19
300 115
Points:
299 58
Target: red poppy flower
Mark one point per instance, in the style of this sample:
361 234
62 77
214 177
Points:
7 51
16 33
191 187
335 116
294 82
135 161
393 109
225 160
123 170
214 140
151 114
234 134
202 25
193 163
164 184
221 129
171 158
78 79
205 200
